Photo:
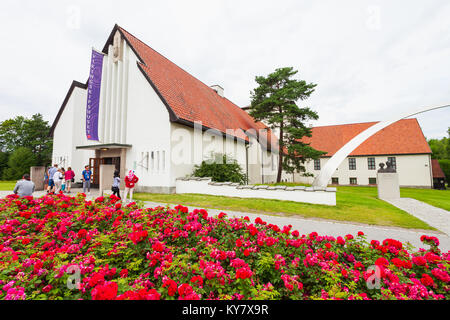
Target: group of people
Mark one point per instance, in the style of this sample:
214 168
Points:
61 180
130 182
58 180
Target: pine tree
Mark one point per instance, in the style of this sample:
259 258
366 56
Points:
274 102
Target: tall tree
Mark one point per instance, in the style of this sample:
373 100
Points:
31 133
274 102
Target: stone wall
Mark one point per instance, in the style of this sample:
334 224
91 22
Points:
316 195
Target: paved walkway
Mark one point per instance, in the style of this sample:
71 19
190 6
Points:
433 216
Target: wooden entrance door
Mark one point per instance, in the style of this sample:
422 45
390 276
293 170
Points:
95 163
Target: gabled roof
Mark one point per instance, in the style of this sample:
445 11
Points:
402 137
436 168
187 99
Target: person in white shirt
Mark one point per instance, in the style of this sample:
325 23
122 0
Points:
58 178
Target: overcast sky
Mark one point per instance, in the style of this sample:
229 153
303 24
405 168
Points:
369 59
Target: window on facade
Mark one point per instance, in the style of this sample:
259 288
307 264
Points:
372 180
353 181
163 160
273 162
153 159
317 164
351 163
371 163
393 160
157 160
334 180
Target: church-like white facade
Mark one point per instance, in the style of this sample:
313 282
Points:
157 119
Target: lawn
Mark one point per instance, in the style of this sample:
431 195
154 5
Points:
354 204
7 185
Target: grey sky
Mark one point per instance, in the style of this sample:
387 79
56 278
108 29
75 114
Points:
369 58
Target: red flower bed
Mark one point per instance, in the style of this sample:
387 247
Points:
60 247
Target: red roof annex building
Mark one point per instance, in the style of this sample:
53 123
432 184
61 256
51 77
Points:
402 142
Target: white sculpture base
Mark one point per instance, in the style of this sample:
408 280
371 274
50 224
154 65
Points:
388 186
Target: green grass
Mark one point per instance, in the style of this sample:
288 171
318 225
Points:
354 204
7 185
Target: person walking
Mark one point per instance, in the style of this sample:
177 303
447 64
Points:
58 179
51 183
130 182
87 175
116 184
69 176
24 187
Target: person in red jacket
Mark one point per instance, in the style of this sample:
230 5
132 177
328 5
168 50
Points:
130 182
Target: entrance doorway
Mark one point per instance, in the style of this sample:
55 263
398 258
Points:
95 163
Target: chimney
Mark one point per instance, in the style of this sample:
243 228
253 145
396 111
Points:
218 89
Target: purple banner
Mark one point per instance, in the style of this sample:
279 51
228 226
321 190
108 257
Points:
93 95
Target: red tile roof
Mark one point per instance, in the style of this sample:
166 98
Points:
402 137
437 170
189 98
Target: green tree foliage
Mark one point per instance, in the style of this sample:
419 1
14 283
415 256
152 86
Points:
274 102
445 166
3 162
221 168
440 147
19 163
31 133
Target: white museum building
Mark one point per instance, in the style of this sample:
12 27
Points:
152 116
403 143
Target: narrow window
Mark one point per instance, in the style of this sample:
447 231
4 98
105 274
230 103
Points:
371 163
317 164
157 160
352 163
153 160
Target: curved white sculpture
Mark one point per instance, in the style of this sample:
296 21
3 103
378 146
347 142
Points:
325 174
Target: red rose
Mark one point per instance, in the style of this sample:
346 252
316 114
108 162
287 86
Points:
426 280
47 288
340 240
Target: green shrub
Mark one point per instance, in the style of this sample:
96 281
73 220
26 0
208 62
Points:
445 166
221 168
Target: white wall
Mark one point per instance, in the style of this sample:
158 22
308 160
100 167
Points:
413 170
148 130
70 132
308 195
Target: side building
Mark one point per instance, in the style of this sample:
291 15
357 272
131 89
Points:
403 143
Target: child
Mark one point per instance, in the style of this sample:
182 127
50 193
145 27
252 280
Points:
130 181
116 184
63 182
